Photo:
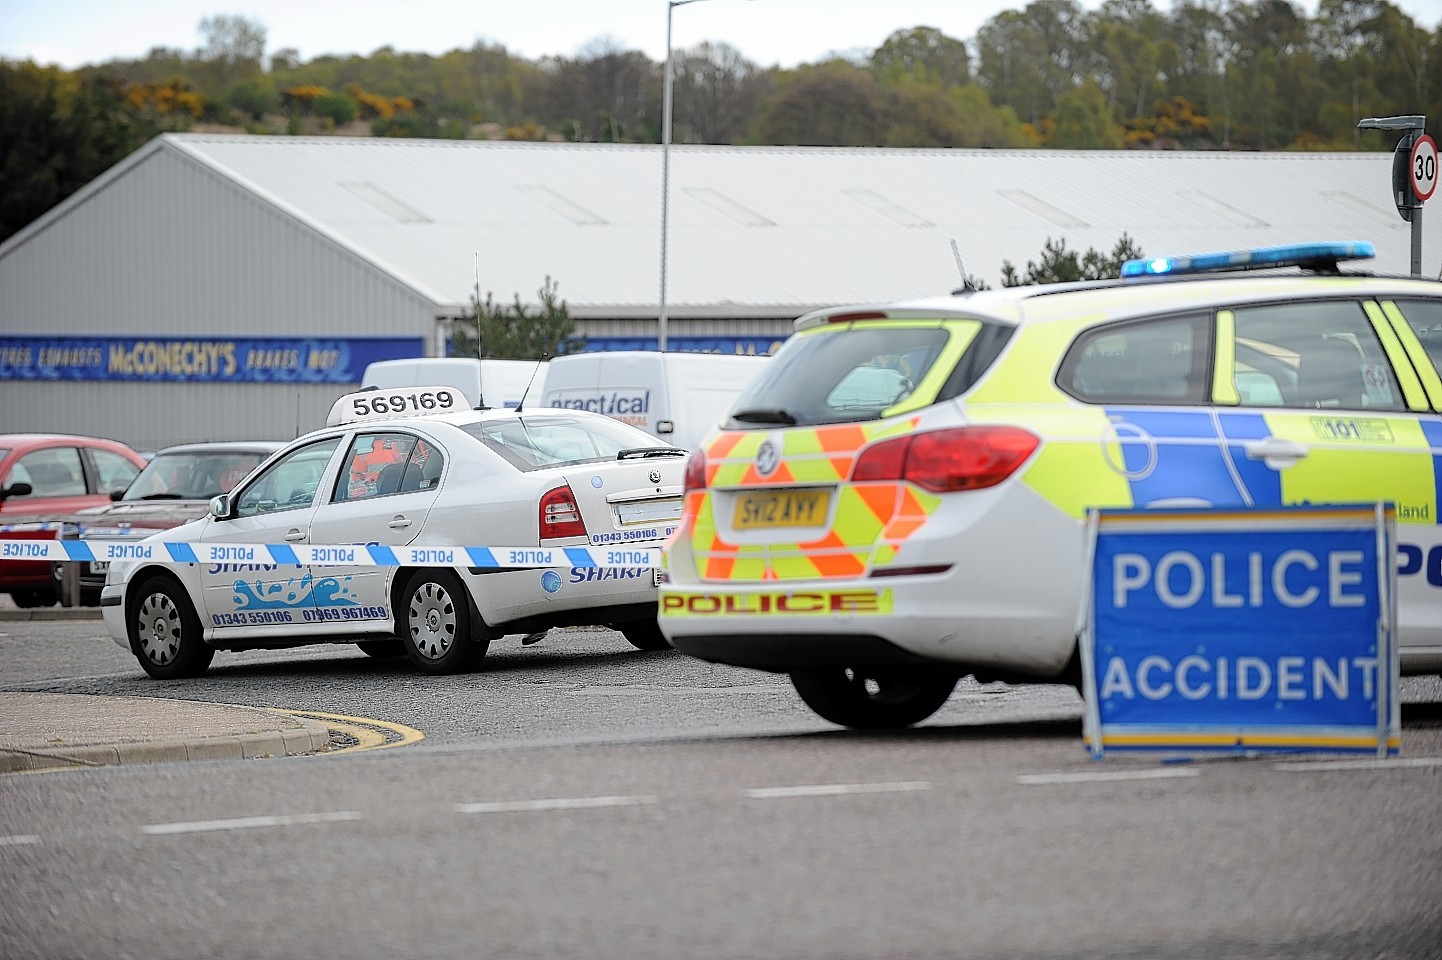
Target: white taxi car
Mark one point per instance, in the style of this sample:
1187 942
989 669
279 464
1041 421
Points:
403 471
899 500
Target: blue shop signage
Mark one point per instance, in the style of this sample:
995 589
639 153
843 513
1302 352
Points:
1225 631
197 359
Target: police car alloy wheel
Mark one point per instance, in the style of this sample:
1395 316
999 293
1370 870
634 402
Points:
436 624
874 698
166 632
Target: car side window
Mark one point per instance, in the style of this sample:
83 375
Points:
1160 360
382 464
1425 319
290 483
1318 355
54 472
115 472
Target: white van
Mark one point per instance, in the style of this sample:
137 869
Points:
677 397
485 383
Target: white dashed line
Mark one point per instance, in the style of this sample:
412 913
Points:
837 789
1316 766
553 803
248 823
19 840
1039 778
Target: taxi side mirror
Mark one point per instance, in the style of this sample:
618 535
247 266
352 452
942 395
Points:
220 507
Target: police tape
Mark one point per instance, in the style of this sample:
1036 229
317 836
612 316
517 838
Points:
358 555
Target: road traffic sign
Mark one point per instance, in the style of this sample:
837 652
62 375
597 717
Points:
1422 164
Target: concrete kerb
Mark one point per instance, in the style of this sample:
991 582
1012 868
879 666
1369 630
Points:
226 732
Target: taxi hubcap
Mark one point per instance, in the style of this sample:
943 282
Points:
159 628
432 621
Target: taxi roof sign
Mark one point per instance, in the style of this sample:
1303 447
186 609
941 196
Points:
373 404
1309 256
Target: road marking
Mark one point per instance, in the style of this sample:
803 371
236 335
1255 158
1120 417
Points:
554 803
248 823
19 840
836 789
1314 766
364 729
1036 778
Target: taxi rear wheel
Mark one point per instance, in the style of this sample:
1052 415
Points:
165 632
874 698
436 624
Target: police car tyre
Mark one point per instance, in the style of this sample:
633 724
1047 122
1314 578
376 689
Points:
165 631
874 698
435 619
645 635
390 647
28 599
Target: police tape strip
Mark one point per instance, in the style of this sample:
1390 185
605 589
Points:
358 555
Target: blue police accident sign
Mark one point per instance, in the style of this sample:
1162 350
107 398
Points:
1242 631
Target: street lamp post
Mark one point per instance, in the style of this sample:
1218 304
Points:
671 6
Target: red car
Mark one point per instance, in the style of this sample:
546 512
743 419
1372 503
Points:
46 475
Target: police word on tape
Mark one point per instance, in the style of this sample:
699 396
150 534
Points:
358 555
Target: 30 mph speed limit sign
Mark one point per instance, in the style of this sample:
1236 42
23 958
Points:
1423 163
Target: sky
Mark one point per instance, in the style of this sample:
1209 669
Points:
72 33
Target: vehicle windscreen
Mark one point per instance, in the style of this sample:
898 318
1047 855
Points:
191 476
844 374
534 443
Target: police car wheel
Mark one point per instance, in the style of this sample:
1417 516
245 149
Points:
165 632
645 635
435 622
390 647
874 698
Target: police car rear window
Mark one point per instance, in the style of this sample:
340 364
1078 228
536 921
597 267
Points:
1161 360
841 375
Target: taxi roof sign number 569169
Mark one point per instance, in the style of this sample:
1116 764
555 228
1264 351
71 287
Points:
1423 164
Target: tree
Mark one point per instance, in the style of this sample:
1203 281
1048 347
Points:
835 104
517 332
1060 265
1083 122
923 55
714 94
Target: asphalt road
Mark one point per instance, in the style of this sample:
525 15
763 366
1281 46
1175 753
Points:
582 799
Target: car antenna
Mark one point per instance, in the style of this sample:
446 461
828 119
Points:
966 284
480 356
529 383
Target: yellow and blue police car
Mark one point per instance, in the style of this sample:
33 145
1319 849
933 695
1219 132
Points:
899 499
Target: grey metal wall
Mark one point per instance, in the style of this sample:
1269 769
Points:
149 416
171 248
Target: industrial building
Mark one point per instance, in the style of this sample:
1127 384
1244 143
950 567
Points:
231 287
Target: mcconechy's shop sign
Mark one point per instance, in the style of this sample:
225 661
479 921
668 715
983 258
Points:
195 359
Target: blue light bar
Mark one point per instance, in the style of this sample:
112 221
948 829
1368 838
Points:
1313 255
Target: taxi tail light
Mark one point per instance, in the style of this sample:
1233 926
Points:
561 515
695 476
963 458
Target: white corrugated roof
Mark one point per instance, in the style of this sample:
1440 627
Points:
773 231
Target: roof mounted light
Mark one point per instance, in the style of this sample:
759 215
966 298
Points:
1322 257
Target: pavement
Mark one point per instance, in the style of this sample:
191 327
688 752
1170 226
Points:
51 731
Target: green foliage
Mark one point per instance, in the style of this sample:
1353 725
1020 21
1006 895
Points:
253 98
520 331
338 108
1083 122
1060 265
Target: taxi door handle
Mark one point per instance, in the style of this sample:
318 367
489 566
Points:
294 536
400 522
1275 452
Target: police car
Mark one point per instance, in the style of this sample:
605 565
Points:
899 499
410 468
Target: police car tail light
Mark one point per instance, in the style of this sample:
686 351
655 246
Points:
964 458
695 476
561 515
